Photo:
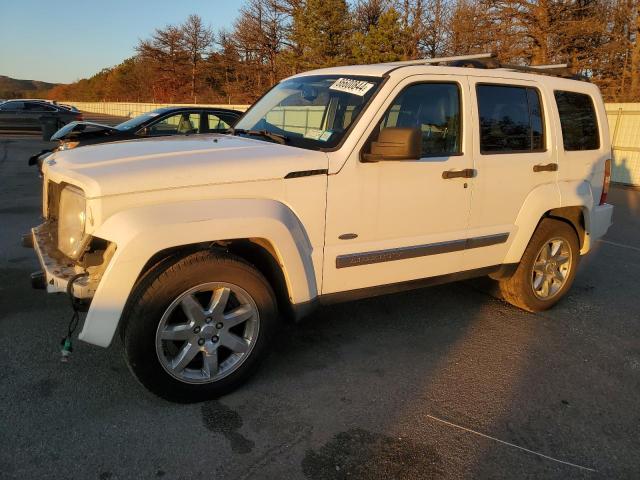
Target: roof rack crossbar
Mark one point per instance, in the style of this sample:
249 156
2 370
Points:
559 70
430 61
551 67
460 58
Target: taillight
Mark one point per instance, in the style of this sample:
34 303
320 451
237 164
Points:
606 181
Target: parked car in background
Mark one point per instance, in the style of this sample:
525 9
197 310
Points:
68 107
157 123
35 115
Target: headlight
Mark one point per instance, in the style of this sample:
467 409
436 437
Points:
71 222
68 145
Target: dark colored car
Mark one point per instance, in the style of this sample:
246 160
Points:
157 123
35 115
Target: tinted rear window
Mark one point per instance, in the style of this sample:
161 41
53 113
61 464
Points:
510 119
11 106
578 121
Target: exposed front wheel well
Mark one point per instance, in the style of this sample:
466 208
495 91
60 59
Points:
257 251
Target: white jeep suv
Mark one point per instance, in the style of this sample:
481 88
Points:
339 183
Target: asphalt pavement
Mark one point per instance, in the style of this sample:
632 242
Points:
445 382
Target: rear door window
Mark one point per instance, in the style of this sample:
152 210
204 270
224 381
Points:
511 119
578 121
215 123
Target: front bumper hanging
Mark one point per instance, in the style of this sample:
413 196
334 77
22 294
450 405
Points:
57 269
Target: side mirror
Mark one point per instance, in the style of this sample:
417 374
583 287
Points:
395 144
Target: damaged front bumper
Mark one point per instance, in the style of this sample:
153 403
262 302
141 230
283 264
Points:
58 270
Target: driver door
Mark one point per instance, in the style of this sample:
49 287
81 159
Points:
396 221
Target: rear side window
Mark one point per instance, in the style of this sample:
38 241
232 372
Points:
11 106
510 119
38 107
216 123
578 121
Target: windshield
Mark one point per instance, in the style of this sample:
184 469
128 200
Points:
140 119
312 112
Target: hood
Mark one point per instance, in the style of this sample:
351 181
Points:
81 130
179 161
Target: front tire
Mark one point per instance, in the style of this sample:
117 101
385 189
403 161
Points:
547 268
198 326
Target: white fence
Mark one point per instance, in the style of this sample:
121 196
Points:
624 128
126 109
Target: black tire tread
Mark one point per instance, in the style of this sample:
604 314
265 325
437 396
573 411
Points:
516 289
146 292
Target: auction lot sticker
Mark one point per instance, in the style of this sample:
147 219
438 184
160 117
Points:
352 86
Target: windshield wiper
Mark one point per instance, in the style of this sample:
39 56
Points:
276 137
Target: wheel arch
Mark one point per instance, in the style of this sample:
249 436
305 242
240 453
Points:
264 232
259 252
574 216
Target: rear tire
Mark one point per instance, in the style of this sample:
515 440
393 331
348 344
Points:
198 326
547 268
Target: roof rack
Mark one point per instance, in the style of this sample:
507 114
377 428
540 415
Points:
490 60
436 60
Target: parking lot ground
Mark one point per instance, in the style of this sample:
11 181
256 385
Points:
446 382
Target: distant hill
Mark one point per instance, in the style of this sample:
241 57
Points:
15 88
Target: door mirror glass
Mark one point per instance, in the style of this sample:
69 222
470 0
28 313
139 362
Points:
396 144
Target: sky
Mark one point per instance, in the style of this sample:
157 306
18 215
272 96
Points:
64 41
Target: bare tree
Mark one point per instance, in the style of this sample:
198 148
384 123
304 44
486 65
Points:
196 41
261 31
165 51
435 27
367 14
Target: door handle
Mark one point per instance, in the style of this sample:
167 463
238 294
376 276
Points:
466 173
549 167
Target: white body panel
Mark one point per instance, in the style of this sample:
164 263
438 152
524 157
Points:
150 195
392 205
508 197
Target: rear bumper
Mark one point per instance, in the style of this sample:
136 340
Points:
601 218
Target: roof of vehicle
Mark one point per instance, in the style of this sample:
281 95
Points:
32 100
178 108
383 69
485 65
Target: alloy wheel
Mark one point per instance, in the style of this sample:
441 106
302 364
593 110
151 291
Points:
551 268
207 332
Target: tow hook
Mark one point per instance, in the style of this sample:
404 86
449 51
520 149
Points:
27 240
38 280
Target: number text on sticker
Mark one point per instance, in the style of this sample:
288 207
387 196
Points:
352 86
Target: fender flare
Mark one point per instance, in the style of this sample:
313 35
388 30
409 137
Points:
140 233
580 194
537 203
